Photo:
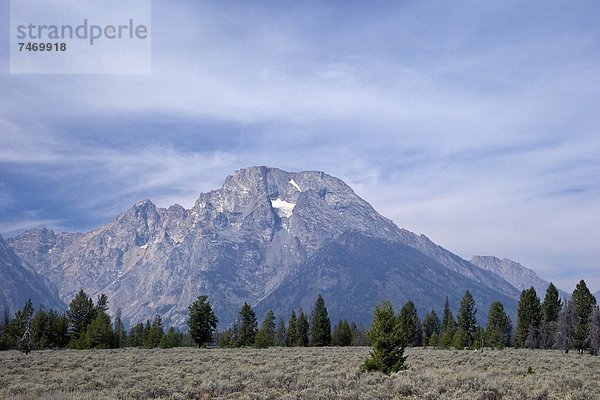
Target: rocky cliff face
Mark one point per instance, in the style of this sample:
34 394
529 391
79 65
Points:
515 273
18 283
262 230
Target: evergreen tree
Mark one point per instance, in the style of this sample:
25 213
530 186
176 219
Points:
154 333
4 329
120 333
547 334
409 324
303 329
552 304
202 321
448 327
281 338
360 336
566 325
265 337
498 328
226 339
81 313
248 326
431 326
136 336
467 320
342 334
531 342
387 353
594 331
448 323
583 302
170 339
40 330
320 325
292 330
529 315
459 338
99 333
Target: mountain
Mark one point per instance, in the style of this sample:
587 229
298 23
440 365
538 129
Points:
264 230
19 283
516 274
355 271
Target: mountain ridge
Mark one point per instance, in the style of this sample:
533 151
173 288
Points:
239 243
516 274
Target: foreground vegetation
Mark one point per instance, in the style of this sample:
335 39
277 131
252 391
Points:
294 373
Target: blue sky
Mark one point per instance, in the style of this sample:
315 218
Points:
474 123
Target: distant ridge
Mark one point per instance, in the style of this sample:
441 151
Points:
18 283
516 274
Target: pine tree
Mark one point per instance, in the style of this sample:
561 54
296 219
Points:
281 338
136 336
583 302
59 330
594 331
40 330
120 333
448 323
387 353
467 320
292 330
303 329
202 321
342 334
4 329
459 339
529 315
265 337
99 333
247 326
532 341
431 326
409 324
448 327
81 313
497 332
320 325
170 339
154 333
552 304
359 335
566 325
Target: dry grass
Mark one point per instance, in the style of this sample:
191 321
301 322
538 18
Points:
296 373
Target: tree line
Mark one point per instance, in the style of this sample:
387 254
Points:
84 325
547 324
301 330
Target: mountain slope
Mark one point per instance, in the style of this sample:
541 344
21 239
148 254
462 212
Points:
354 272
18 283
238 243
516 274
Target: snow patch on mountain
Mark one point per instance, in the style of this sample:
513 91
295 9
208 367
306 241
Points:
284 209
294 184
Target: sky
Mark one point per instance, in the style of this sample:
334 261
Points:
474 123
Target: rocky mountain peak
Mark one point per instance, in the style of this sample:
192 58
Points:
239 243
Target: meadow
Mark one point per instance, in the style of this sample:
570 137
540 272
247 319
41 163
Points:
295 373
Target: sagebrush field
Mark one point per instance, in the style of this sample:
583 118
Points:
295 373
